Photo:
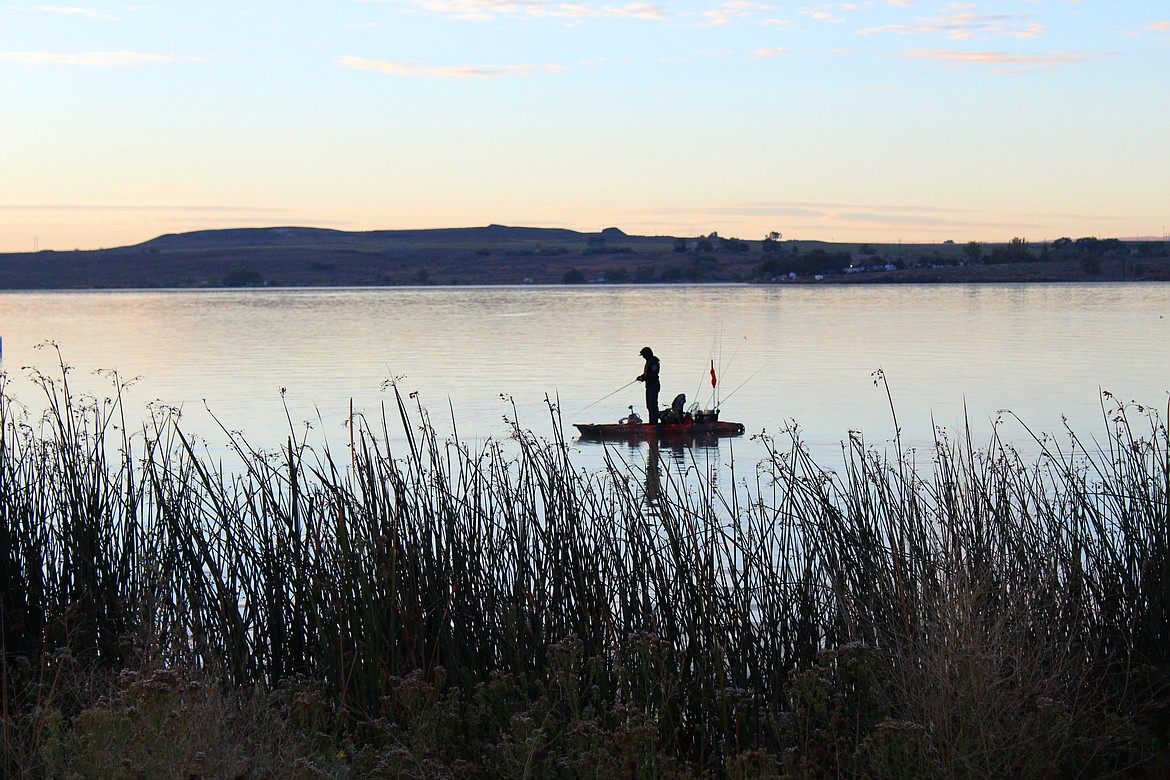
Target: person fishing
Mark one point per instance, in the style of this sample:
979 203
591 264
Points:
650 375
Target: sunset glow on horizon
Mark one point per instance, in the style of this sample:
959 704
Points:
882 121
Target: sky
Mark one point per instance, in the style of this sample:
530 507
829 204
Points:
880 121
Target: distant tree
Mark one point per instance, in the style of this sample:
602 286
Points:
815 262
974 251
1015 251
573 276
704 245
733 245
1113 246
680 245
771 242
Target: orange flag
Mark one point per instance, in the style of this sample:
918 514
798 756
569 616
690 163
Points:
712 373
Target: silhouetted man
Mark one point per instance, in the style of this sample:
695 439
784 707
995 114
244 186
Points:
653 383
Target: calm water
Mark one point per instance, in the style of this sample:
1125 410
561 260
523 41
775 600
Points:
799 353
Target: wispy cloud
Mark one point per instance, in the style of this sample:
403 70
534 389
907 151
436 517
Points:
818 209
75 11
95 59
1006 62
732 11
822 15
832 12
761 54
824 218
422 70
961 22
1158 27
586 11
49 207
487 10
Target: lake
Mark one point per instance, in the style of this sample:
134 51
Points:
800 353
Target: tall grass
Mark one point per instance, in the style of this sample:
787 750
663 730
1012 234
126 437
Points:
974 616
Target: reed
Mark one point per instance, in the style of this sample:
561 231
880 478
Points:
976 616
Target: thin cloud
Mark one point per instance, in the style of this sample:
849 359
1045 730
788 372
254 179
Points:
731 11
798 217
96 59
761 54
823 16
424 71
13 207
585 11
829 12
593 61
487 10
73 11
1005 62
962 23
814 209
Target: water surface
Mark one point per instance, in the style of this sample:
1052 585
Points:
782 353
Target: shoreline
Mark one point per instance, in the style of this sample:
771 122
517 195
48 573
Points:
503 256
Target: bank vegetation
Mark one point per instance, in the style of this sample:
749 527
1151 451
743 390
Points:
442 611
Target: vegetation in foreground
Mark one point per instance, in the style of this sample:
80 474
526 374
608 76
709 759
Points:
442 612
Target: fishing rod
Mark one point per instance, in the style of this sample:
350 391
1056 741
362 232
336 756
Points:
730 360
722 369
599 400
750 378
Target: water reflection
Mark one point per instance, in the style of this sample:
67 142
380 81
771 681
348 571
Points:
674 464
653 477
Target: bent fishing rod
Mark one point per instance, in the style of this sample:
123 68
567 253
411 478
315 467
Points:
599 400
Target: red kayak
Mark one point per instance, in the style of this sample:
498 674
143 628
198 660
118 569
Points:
639 431
701 424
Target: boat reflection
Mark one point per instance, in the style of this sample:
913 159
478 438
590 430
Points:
671 464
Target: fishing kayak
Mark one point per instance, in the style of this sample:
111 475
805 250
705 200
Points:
640 431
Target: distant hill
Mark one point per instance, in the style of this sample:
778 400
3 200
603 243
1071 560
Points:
301 236
498 254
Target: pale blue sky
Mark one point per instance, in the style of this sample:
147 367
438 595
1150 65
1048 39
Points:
867 121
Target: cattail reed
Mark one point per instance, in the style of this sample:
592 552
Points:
919 596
